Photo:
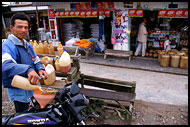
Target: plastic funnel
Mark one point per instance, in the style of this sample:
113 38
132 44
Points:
43 99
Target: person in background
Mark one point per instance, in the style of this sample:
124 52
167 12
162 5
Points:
167 44
142 38
19 58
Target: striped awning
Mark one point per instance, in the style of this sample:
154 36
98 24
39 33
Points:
48 3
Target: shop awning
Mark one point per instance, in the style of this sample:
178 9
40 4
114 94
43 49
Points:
48 3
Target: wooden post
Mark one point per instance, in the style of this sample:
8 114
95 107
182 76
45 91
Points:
37 17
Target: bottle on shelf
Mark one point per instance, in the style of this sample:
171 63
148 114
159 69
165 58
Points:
36 47
59 49
51 48
46 50
31 42
41 47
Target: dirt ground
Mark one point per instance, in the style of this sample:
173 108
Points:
145 113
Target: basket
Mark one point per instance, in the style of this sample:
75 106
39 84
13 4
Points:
184 62
165 60
174 60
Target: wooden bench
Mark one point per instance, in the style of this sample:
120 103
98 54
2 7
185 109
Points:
118 53
122 91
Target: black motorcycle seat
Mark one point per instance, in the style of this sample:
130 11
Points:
5 119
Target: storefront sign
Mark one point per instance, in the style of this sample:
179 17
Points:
185 13
99 5
71 14
82 14
161 13
111 5
88 6
52 24
139 13
94 13
179 13
173 13
88 14
77 13
170 13
77 6
66 13
107 13
135 12
53 34
51 13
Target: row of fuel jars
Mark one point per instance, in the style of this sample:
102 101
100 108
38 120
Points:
46 48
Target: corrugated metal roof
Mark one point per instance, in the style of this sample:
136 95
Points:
47 3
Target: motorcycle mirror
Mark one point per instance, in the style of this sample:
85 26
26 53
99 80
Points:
74 89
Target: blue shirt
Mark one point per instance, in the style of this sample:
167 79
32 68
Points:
18 60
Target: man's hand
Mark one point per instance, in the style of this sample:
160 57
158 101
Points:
33 77
43 74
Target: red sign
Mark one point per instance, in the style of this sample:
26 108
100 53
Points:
139 13
135 12
88 6
57 13
66 13
94 13
162 13
179 13
77 6
105 5
82 14
51 13
62 14
53 34
132 12
99 5
71 13
88 13
170 13
77 13
111 5
52 24
107 13
185 13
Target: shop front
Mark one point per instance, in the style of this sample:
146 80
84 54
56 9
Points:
162 22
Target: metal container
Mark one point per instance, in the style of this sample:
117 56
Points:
184 62
165 60
174 60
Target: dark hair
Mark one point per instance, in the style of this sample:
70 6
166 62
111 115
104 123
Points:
20 16
167 36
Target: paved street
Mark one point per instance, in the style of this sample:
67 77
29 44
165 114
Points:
150 86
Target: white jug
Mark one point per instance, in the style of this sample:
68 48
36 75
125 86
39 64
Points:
51 75
65 62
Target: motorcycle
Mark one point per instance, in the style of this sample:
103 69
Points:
66 110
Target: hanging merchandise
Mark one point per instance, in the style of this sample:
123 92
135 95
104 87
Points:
121 30
113 39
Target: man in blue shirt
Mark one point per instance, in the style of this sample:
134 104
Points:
19 58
